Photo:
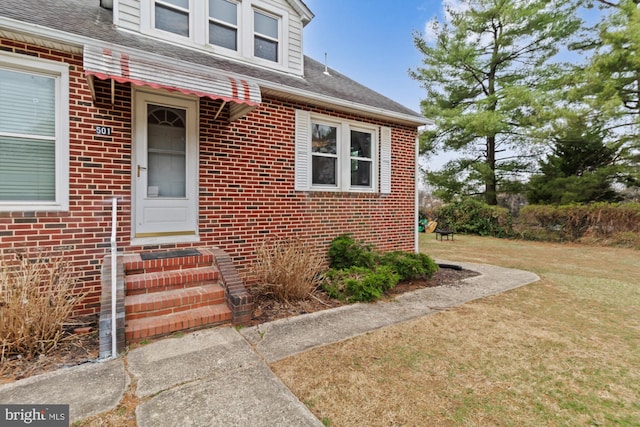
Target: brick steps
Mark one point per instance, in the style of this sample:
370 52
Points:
158 326
134 264
172 301
167 295
169 279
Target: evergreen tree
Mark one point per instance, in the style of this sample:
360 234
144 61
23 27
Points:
606 91
484 76
582 167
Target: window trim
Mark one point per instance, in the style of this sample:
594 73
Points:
59 71
304 153
237 27
190 15
374 151
254 34
199 20
337 156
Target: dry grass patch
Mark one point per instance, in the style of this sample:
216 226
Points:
37 296
563 351
124 415
288 269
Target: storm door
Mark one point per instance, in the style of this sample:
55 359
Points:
165 167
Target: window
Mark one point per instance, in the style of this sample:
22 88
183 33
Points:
223 24
241 29
166 151
324 154
34 117
361 158
265 39
172 16
340 155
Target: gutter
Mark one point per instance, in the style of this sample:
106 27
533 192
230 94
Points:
303 95
50 34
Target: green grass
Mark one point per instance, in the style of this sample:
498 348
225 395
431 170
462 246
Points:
563 351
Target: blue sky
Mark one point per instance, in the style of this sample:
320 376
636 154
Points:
370 41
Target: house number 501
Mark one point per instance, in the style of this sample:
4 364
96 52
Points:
103 130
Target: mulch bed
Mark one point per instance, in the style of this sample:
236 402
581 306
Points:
81 344
266 309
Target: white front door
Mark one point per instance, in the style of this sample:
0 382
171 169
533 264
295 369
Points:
165 168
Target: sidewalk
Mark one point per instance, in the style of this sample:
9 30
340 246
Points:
221 376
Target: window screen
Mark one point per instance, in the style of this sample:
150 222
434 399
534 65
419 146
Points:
27 136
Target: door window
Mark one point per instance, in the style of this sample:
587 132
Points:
166 152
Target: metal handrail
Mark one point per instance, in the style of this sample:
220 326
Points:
114 275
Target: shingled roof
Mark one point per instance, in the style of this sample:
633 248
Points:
84 21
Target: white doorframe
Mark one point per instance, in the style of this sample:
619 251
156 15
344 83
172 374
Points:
157 219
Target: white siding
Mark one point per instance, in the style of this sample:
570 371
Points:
293 57
135 15
129 14
296 56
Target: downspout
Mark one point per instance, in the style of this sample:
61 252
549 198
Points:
114 276
416 210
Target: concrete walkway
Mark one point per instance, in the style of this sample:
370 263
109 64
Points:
221 376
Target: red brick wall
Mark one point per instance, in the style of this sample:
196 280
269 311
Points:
247 173
99 168
246 184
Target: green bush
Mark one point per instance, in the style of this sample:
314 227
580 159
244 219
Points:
359 283
470 216
360 274
409 265
345 252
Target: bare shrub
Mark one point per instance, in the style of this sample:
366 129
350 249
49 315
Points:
36 298
616 224
288 269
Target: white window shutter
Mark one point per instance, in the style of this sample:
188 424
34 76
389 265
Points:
302 138
385 160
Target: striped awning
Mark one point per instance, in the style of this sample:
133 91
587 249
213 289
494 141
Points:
159 72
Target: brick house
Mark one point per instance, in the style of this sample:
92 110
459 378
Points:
210 128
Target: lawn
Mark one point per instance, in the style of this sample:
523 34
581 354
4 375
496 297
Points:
564 351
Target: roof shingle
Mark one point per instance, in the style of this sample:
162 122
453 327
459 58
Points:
86 19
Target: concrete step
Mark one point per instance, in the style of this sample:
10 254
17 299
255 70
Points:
168 280
137 330
173 301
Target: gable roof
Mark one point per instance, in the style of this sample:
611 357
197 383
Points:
302 10
84 22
